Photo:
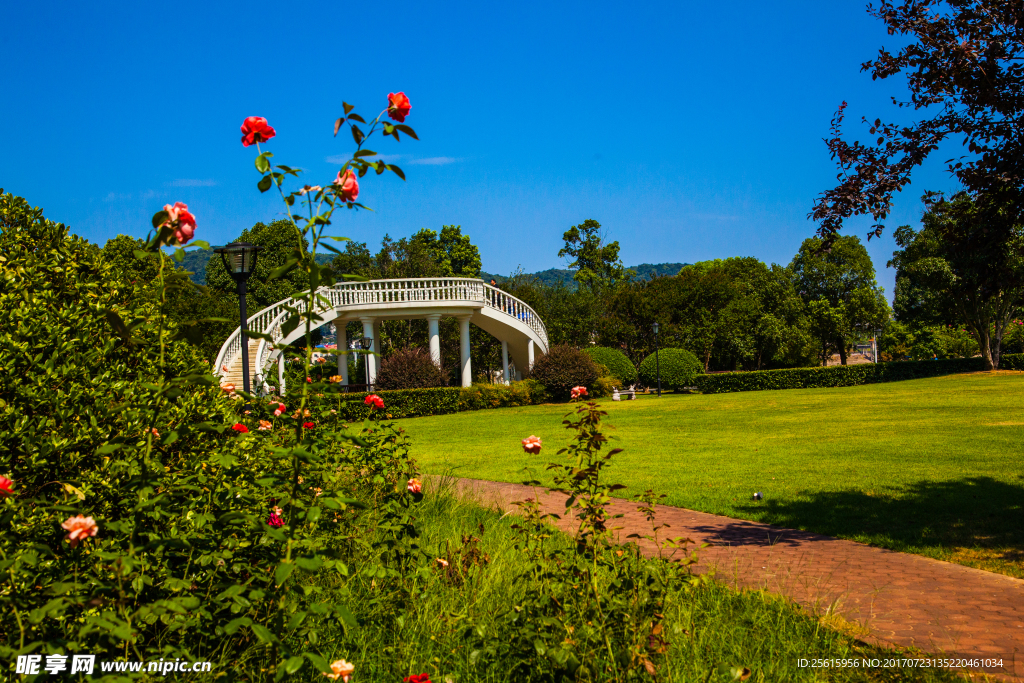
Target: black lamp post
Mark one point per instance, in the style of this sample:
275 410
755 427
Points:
239 260
657 359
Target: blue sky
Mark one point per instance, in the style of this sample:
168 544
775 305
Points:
689 130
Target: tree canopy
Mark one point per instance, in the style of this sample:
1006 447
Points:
595 262
962 63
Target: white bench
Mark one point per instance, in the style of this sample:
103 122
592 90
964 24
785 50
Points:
617 395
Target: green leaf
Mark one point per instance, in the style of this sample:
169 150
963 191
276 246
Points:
178 255
318 661
283 269
397 171
234 624
160 217
357 117
141 254
346 616
108 448
357 134
348 107
264 183
263 633
337 125
407 130
202 244
262 163
364 153
294 664
115 321
283 571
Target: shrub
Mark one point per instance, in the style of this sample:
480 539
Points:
524 393
349 407
604 386
846 375
618 364
562 368
678 367
410 369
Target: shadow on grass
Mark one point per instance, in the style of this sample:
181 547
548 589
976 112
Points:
941 517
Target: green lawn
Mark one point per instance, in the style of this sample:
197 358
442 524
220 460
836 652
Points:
928 466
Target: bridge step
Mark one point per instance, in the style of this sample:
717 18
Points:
234 373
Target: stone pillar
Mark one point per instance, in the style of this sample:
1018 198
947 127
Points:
341 337
280 371
371 360
434 335
467 371
504 361
529 354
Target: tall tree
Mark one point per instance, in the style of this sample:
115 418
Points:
455 255
952 268
837 283
962 63
596 262
278 242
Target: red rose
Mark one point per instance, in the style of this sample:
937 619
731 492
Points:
531 444
308 425
255 129
417 678
240 428
348 184
5 486
374 401
398 106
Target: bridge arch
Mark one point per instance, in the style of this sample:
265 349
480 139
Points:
521 331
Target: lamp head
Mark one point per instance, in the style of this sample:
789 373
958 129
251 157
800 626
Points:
366 343
655 327
239 259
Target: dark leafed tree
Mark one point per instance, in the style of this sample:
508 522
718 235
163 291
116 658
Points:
965 74
950 270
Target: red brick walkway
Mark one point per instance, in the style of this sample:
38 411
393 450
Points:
902 599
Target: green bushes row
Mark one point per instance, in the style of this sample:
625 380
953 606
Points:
400 403
845 375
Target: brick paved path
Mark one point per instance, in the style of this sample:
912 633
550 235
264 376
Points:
902 599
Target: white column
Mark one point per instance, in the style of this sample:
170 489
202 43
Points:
280 371
529 354
434 334
371 361
342 339
504 361
467 371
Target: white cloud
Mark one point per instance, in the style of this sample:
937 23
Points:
433 161
398 158
191 182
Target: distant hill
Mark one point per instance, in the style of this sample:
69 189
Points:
553 276
195 262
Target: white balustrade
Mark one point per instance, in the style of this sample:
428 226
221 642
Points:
383 292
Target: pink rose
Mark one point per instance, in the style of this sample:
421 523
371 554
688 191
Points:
79 527
5 486
398 106
414 486
349 187
531 444
341 669
186 222
442 562
576 392
265 425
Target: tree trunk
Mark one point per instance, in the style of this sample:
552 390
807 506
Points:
842 351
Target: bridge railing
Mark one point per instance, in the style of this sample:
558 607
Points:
411 290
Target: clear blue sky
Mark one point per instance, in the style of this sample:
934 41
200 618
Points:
689 130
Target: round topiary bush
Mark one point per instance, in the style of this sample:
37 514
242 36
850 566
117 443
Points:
621 367
679 367
562 368
410 369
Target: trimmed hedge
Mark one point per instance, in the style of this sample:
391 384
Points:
678 367
525 393
397 403
618 364
562 368
845 375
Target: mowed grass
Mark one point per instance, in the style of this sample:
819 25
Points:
930 466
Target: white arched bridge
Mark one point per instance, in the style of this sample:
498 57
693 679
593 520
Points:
516 325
